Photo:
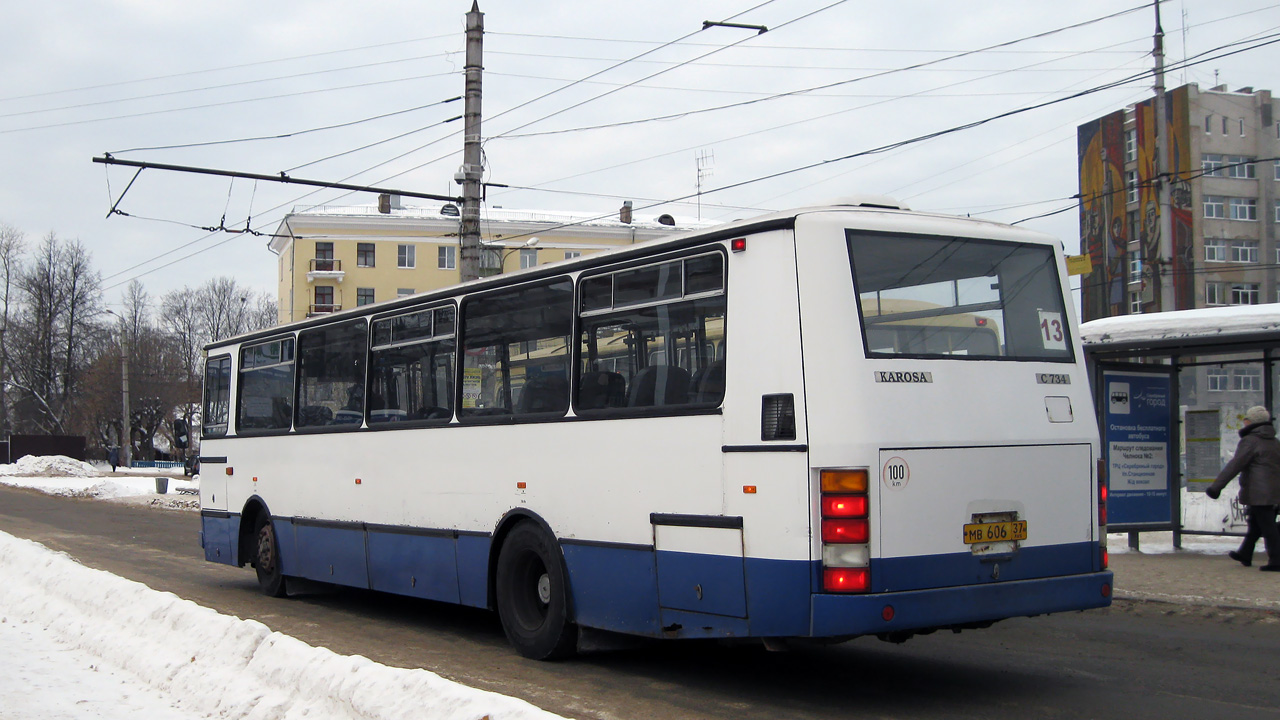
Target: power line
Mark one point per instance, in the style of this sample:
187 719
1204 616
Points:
292 134
239 66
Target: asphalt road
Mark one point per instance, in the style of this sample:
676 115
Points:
1132 661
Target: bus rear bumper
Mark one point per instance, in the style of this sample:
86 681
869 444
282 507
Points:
848 615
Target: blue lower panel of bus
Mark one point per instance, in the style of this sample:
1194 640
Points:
633 589
841 615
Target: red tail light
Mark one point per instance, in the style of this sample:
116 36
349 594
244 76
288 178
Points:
845 531
844 506
846 579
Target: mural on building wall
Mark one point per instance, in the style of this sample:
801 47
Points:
1100 152
1178 131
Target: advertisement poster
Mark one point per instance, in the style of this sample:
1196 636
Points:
1136 444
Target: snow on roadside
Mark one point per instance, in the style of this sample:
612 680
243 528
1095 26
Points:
214 664
50 466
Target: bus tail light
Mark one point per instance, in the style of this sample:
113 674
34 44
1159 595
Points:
846 531
846 579
1103 557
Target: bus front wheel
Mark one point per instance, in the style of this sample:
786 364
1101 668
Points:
533 595
266 559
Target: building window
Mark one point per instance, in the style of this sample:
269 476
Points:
1241 127
1240 167
1215 250
1224 125
406 256
1135 265
1135 303
1276 170
404 292
1244 208
1244 251
571 254
1218 379
1208 119
1246 378
1215 293
324 299
1215 206
447 257
364 254
1277 212
1131 145
364 296
1211 165
528 258
324 256
1131 186
1244 294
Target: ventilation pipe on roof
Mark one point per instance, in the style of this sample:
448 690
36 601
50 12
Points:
624 214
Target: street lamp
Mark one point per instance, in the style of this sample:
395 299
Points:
126 426
497 248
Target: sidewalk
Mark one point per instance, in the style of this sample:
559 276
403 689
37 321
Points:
1198 574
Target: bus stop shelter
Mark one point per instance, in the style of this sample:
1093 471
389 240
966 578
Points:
1171 390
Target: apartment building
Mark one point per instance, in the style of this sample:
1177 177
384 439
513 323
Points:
337 257
1222 147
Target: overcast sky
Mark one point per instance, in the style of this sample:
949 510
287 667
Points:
85 77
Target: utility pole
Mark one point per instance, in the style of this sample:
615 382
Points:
472 171
126 429
1168 301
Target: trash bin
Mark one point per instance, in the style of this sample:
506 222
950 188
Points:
162 485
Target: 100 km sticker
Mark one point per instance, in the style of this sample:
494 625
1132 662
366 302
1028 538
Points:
895 474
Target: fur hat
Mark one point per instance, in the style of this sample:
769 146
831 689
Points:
1257 414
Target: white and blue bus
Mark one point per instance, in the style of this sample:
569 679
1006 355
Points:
824 423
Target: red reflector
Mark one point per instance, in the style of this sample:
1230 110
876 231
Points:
1102 515
1102 493
887 613
838 506
738 244
845 531
1106 559
846 579
1106 590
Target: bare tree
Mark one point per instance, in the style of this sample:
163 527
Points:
12 244
61 295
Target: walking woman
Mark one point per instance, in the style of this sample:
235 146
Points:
1257 462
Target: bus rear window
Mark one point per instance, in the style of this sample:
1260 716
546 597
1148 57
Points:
929 296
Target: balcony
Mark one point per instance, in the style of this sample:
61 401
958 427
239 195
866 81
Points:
322 309
325 269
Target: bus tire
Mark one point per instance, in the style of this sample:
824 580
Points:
533 595
266 558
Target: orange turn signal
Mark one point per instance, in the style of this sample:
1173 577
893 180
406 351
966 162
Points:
853 481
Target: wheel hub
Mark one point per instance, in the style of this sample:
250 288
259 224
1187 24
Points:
544 589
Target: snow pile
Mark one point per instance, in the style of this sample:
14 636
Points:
217 664
49 466
96 487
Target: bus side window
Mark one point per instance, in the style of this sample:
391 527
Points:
331 375
411 374
217 396
266 386
653 336
515 351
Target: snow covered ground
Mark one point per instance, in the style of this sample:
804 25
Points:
71 645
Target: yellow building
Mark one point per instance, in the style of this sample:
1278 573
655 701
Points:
332 258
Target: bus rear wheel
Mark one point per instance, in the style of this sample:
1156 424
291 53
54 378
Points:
266 558
533 595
